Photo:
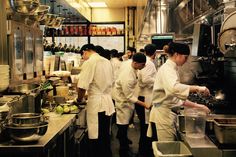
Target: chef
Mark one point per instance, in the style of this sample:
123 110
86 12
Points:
124 98
96 78
146 78
169 92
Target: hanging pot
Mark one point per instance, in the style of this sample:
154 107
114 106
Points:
40 13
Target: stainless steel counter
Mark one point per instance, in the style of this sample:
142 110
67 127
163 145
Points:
57 125
201 147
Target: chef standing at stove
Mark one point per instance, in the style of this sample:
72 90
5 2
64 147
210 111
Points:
169 92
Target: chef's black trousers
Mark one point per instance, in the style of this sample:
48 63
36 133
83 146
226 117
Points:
101 146
145 143
122 136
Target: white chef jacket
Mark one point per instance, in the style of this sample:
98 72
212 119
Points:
146 78
124 92
96 77
168 92
115 62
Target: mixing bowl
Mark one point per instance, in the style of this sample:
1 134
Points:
24 6
27 133
26 119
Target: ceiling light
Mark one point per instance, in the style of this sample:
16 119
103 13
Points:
97 4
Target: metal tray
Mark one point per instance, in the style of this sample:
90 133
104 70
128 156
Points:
225 130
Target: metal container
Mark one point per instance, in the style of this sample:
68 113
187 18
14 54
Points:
225 130
26 119
27 134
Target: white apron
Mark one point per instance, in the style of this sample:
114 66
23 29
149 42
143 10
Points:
165 122
93 107
148 100
124 112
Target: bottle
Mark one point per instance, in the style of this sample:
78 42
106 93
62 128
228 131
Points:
73 49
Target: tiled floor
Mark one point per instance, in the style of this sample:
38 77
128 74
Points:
133 134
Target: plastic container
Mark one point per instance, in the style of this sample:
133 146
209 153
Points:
170 149
195 123
62 91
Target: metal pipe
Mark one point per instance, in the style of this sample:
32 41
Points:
160 17
133 9
128 27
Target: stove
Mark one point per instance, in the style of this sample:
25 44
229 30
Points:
215 105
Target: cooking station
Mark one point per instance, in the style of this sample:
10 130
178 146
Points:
209 145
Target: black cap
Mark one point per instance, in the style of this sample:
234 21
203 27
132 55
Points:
139 58
150 49
87 47
180 48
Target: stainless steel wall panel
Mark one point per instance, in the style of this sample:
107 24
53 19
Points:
3 34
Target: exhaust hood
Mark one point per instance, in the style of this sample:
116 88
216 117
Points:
157 19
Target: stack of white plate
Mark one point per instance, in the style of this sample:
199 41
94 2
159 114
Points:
4 79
